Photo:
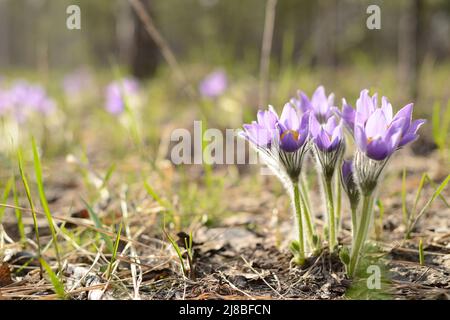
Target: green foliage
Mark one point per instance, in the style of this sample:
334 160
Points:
441 127
58 285
414 217
44 203
30 201
98 224
6 192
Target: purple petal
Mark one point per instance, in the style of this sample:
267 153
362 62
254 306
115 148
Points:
360 138
387 109
288 142
258 134
304 103
289 117
322 140
405 112
376 124
314 125
411 135
348 115
377 149
347 169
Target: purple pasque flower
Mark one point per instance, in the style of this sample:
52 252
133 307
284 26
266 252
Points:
117 92
281 140
348 182
320 104
293 129
262 131
327 136
214 84
378 133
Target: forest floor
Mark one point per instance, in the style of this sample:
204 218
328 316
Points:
241 255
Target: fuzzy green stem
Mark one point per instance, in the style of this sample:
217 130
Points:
311 233
338 204
354 220
310 228
298 213
361 235
331 219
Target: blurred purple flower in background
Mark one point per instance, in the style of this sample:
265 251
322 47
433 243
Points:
118 92
24 98
77 82
5 103
214 84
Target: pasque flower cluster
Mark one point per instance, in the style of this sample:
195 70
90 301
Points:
316 126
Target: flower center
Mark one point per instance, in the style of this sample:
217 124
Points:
294 134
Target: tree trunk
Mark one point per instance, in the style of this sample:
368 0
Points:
144 52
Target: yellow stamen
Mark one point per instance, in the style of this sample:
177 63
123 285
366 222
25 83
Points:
295 134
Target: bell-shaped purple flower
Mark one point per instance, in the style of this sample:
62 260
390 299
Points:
378 133
328 136
348 182
282 141
293 130
214 84
262 131
320 105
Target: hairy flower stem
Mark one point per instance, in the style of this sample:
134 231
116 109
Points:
331 217
298 214
361 235
354 220
306 206
338 188
311 234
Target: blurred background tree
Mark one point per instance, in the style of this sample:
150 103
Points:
325 33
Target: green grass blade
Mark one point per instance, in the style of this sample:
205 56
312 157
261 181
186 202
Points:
5 196
30 201
436 193
418 193
156 197
380 206
421 253
44 203
431 182
404 209
114 253
98 224
177 249
18 214
108 175
436 124
58 286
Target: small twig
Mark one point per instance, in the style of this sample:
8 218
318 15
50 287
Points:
266 48
262 278
162 44
234 287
